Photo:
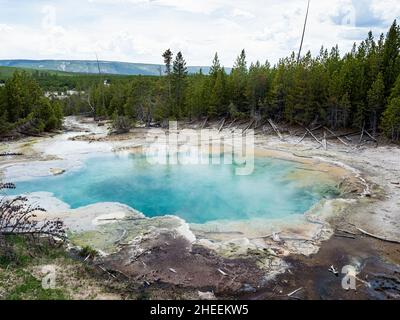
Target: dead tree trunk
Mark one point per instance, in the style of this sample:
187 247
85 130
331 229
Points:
275 128
336 136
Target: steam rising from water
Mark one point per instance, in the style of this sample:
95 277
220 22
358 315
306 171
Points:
197 193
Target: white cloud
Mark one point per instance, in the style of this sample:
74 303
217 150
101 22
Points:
242 13
386 9
5 27
140 30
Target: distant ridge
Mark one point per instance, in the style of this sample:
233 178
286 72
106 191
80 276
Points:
90 66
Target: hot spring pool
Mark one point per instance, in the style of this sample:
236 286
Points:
196 193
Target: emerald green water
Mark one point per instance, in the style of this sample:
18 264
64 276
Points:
196 193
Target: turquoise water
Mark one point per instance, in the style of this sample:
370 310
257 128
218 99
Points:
196 193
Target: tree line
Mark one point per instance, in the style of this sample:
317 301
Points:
24 107
360 89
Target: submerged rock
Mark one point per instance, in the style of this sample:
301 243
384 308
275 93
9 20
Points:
56 171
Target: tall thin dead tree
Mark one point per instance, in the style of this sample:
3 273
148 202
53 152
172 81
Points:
101 83
304 31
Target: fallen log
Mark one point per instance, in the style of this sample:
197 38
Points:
105 270
295 291
344 135
376 236
272 124
346 231
344 236
249 126
6 154
222 272
339 138
302 138
316 128
231 124
222 125
316 139
31 134
368 134
204 123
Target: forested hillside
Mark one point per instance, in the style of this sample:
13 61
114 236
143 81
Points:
358 89
25 109
92 66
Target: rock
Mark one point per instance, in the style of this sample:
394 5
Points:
209 295
56 171
275 237
248 288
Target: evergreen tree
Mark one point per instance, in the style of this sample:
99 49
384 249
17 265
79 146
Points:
238 81
376 102
215 67
167 55
395 92
391 60
391 120
178 82
196 96
218 95
22 93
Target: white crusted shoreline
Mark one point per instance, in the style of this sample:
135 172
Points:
302 235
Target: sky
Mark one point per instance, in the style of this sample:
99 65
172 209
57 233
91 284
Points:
140 30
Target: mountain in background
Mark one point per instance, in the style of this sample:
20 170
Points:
89 66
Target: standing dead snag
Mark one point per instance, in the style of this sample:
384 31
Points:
18 217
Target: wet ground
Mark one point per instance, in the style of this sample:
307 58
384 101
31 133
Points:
379 276
171 263
175 266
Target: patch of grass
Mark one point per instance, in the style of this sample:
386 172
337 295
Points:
19 251
22 264
31 288
144 295
88 251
